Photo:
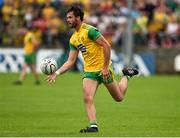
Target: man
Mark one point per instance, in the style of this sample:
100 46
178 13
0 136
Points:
97 64
31 44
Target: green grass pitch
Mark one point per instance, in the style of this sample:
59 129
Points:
151 108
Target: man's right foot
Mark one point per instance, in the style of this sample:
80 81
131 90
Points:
89 129
18 82
130 72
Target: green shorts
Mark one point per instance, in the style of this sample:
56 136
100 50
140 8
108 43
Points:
30 59
98 77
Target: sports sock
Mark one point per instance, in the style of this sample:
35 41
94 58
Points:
93 123
128 77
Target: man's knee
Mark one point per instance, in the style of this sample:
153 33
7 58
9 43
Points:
88 99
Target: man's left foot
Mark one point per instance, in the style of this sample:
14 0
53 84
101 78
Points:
37 82
18 82
89 129
130 72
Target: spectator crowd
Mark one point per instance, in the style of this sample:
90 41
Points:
156 23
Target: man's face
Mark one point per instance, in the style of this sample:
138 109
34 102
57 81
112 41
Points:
71 20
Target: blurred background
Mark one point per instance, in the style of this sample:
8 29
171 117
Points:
142 33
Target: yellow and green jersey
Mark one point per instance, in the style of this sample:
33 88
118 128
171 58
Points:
84 41
28 45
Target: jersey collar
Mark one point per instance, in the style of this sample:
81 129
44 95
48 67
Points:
80 27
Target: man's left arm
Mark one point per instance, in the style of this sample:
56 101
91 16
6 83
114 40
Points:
106 50
36 43
96 36
107 53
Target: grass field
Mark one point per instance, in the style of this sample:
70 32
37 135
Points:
151 108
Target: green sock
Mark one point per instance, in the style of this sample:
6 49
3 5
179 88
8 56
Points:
128 77
93 123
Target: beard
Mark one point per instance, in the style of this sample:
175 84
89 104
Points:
73 25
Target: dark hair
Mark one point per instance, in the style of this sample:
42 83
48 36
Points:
77 12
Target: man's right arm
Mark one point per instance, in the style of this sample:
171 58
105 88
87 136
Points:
69 63
65 67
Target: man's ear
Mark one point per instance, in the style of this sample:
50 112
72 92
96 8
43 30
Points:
78 18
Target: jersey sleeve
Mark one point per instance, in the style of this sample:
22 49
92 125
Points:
93 33
72 47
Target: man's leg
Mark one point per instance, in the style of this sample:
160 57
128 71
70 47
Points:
89 90
22 75
118 90
36 76
23 72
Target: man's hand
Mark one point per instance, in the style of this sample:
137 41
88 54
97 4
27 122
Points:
105 74
51 78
